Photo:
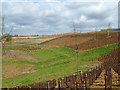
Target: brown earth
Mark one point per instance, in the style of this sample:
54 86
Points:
112 59
16 55
23 47
10 67
31 41
100 82
85 41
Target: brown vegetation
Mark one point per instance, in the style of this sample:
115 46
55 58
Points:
11 68
17 55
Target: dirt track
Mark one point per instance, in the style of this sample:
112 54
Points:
33 40
85 41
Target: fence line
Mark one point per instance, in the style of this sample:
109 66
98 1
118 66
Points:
108 77
81 80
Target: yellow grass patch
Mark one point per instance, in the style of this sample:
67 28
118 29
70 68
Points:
13 69
17 56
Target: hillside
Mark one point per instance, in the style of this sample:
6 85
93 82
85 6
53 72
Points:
112 59
27 62
85 41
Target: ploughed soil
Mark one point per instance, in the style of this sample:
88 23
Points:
23 47
85 41
112 59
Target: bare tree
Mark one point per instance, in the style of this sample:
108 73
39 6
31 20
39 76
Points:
5 36
74 29
95 36
109 27
2 24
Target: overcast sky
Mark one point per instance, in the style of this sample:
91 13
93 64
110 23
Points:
45 17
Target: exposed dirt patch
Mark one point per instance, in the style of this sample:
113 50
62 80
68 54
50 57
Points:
12 63
112 59
12 69
85 41
23 47
33 40
101 40
67 40
89 65
17 56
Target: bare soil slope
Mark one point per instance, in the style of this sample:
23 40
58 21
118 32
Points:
85 41
112 59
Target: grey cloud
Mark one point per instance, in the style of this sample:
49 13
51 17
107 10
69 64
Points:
78 5
52 18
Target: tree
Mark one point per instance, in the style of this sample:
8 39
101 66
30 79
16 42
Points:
74 29
109 27
2 24
95 36
7 36
2 28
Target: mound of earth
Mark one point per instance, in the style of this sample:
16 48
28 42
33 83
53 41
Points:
112 59
85 41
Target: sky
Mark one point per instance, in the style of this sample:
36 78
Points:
46 17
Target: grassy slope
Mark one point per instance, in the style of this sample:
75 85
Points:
55 62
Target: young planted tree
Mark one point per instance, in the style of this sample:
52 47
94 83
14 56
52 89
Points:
77 60
2 28
95 36
108 31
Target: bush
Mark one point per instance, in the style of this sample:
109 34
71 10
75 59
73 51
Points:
7 37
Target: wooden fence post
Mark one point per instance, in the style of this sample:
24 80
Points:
108 78
81 78
59 83
48 85
86 81
54 83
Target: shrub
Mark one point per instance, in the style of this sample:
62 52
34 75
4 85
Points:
7 37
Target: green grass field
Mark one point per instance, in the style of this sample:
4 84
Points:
50 63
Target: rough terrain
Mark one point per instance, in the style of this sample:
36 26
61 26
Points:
85 41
